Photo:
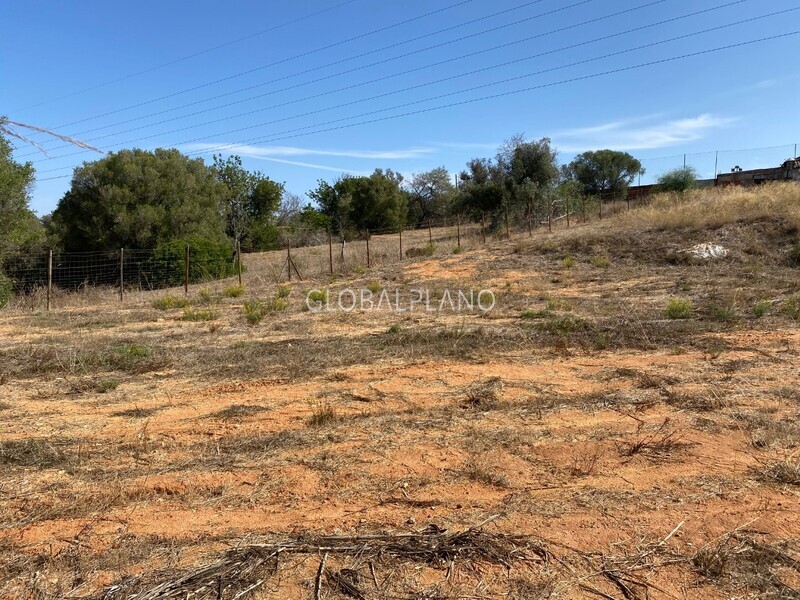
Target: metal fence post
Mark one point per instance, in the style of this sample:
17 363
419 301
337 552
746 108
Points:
289 258
121 273
49 277
368 265
186 273
483 227
401 242
330 251
458 230
239 261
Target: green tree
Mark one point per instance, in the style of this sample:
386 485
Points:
482 188
354 204
23 234
678 180
250 202
139 199
431 194
604 172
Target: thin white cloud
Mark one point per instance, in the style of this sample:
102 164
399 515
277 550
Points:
639 134
273 151
297 163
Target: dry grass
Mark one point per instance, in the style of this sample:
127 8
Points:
711 208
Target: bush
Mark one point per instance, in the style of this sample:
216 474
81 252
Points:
233 291
761 309
725 314
791 308
208 260
169 302
283 291
679 308
568 262
6 290
678 180
374 287
254 310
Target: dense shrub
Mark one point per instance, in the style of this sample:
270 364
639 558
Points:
208 260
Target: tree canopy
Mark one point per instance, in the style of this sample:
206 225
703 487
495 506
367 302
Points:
250 202
355 204
604 172
140 199
430 195
23 233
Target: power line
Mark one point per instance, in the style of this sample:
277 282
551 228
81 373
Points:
188 56
490 97
362 67
283 61
482 86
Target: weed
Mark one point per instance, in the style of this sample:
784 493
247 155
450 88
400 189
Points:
563 325
481 473
679 308
135 413
283 291
585 464
134 350
555 304
318 296
430 249
568 262
394 328
655 445
32 453
484 396
785 471
106 385
457 250
255 310
374 287
169 302
190 314
237 411
791 308
726 314
233 291
205 296
323 414
761 309
601 262
535 314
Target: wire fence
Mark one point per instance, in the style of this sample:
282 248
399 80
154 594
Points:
60 279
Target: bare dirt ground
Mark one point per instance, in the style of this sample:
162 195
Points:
631 455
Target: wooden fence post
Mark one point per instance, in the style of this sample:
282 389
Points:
430 233
330 250
508 231
550 217
566 201
401 242
121 273
186 274
239 262
483 227
49 277
368 265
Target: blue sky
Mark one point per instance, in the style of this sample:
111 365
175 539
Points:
289 85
